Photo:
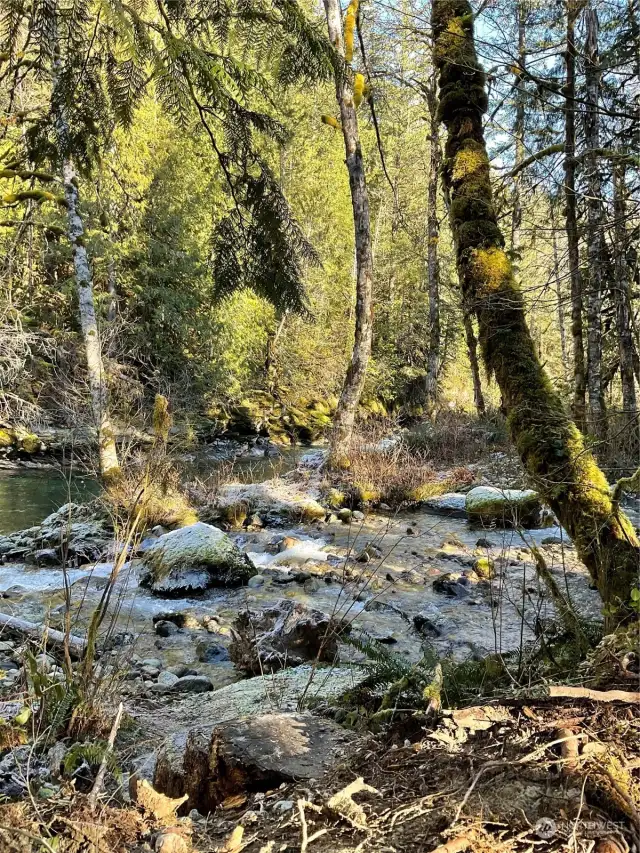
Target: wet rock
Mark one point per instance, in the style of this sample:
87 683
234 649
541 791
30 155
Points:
73 530
503 507
164 628
179 670
21 769
450 504
212 652
167 679
456 584
484 543
192 684
485 568
256 753
287 634
553 540
369 552
47 557
180 619
194 558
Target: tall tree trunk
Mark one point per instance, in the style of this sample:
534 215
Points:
108 456
516 213
595 229
561 325
472 352
550 446
621 297
433 263
356 372
571 224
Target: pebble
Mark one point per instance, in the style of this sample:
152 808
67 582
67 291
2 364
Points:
283 806
167 679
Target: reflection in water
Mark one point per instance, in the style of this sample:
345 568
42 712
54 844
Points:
28 496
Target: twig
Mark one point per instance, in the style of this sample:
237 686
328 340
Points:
456 845
99 781
560 691
306 838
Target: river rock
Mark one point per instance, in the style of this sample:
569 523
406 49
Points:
164 628
456 584
272 500
74 531
503 507
287 634
210 764
451 504
194 558
192 684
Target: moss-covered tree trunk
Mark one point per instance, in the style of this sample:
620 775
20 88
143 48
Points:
356 372
549 443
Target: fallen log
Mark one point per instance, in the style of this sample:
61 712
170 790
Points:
561 692
12 626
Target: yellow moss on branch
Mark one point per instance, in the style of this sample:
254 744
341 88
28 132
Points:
358 89
331 121
350 28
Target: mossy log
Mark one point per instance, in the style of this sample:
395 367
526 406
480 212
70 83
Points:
551 447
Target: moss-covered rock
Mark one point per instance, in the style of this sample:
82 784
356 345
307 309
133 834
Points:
192 559
7 437
505 507
272 500
485 568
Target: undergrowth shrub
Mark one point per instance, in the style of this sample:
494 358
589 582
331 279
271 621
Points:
458 438
380 469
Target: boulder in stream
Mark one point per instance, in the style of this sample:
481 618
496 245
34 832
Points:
287 634
487 505
192 559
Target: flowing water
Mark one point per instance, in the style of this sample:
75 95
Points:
382 597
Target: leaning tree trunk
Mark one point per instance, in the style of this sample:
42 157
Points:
571 219
356 372
433 263
550 446
597 418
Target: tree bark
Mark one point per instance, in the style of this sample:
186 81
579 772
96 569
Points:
108 457
561 324
356 372
571 220
472 352
552 449
621 297
433 262
597 417
518 133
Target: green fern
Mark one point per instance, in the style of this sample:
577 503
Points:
93 753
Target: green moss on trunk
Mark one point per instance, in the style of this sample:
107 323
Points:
550 445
